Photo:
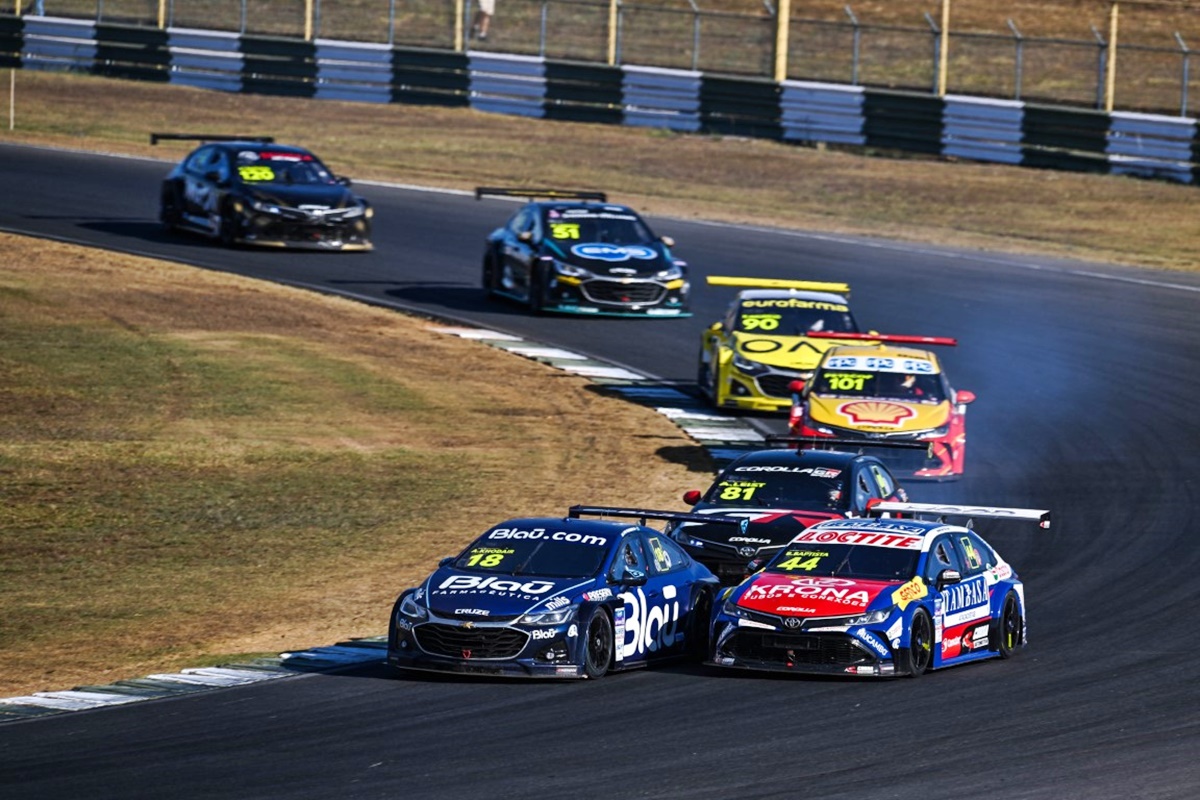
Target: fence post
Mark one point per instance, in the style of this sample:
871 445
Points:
1101 61
695 34
162 15
1187 75
1110 77
612 32
857 47
458 25
936 38
1019 65
944 64
542 29
783 18
308 20
391 23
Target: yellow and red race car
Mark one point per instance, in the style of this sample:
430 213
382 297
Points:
766 340
885 393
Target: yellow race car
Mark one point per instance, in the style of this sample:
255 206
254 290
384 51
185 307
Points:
775 332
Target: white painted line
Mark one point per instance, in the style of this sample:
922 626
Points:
479 333
545 352
604 372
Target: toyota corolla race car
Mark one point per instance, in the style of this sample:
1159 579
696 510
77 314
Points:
781 492
558 598
245 190
884 394
766 340
877 597
575 253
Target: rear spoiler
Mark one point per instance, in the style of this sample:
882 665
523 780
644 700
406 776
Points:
778 283
155 138
818 442
895 338
643 514
549 194
941 511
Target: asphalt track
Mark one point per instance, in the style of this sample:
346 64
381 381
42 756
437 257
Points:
1088 387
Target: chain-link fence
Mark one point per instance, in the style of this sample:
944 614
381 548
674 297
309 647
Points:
1153 72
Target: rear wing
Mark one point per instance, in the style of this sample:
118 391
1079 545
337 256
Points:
778 283
643 514
941 511
549 194
893 338
820 442
155 138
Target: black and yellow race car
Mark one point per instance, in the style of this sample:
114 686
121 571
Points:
247 190
576 253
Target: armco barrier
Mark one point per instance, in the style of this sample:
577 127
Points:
975 128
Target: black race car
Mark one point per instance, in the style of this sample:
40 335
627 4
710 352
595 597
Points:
249 190
781 492
575 253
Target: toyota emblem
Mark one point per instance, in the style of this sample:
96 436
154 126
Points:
747 552
791 622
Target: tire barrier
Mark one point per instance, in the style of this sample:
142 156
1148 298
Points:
972 128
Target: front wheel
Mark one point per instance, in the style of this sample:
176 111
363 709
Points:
1010 628
598 647
537 290
916 658
697 641
491 275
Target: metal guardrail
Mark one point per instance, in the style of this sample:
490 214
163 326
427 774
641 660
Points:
980 129
1154 71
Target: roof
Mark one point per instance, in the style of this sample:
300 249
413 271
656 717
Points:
876 350
789 457
784 294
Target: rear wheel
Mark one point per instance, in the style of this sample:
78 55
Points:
697 641
598 648
917 657
1009 630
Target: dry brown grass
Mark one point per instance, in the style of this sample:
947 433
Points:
197 464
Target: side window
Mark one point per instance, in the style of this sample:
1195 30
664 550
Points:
630 556
521 221
883 481
221 165
943 555
977 556
862 490
198 160
662 554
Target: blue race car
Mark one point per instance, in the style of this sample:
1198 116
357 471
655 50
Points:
551 597
877 597
576 253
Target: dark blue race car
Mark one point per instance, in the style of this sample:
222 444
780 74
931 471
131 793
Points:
551 597
576 253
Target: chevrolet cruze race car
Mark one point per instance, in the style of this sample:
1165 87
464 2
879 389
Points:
781 492
766 340
558 598
251 191
877 597
575 253
885 394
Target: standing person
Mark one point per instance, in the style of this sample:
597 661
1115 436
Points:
483 18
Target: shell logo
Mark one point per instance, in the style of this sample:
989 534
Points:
875 412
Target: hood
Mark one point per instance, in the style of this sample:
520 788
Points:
806 596
798 353
613 260
328 195
451 591
769 527
877 415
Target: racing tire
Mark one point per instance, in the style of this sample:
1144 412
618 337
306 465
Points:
490 276
537 290
168 210
697 640
598 645
1009 629
704 378
916 658
227 231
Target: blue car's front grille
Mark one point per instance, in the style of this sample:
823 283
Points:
453 641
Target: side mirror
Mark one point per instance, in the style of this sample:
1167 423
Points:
796 387
947 577
667 240
525 236
633 577
964 396
692 496
755 565
343 180
446 561
717 327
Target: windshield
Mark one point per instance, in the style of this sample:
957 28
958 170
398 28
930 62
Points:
266 167
910 387
860 561
794 316
541 557
811 488
586 224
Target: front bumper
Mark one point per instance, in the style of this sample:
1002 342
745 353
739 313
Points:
617 298
800 653
486 648
942 460
766 391
269 231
